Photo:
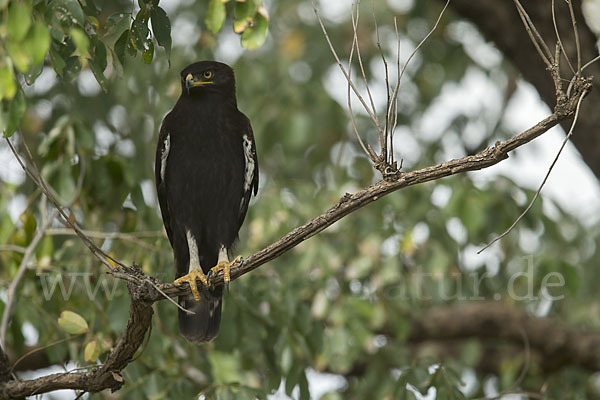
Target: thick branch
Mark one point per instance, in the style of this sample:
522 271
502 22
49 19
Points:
557 343
108 376
503 331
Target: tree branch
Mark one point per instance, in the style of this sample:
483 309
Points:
503 332
557 343
108 376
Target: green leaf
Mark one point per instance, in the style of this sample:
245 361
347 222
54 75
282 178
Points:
91 352
19 56
44 252
121 45
304 391
19 20
215 17
15 113
72 323
292 378
116 25
98 53
57 34
139 33
98 72
98 62
244 11
32 74
254 36
84 136
82 42
72 68
225 367
8 86
161 27
29 224
71 12
66 186
38 42
148 53
57 61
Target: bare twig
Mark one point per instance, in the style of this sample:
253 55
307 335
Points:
557 33
155 286
392 106
593 60
369 152
36 176
391 125
414 52
13 247
537 193
343 69
535 36
385 64
133 237
360 62
576 35
37 349
384 162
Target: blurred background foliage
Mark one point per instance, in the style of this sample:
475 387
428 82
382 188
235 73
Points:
86 85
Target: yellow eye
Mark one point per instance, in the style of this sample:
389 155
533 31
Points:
207 74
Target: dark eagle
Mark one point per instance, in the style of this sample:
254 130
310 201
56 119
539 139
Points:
206 170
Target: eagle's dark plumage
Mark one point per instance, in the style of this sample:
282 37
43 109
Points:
206 170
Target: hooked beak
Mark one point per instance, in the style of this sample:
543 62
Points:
191 83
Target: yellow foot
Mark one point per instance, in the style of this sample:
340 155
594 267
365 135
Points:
226 268
191 279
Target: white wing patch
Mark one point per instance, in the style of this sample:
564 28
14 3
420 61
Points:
163 156
249 174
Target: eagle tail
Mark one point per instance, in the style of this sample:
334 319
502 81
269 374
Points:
203 325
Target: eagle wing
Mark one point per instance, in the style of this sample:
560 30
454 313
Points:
250 171
160 166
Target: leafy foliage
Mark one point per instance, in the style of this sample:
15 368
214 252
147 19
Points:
341 303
